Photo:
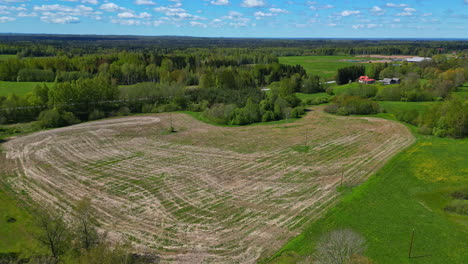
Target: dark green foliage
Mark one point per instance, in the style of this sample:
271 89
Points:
410 116
352 105
312 85
447 119
389 93
96 114
349 74
50 118
35 75
70 119
362 90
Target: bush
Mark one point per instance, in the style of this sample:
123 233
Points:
352 105
70 119
297 112
317 101
50 118
410 117
96 114
123 111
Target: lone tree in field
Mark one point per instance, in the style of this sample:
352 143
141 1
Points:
52 232
86 234
339 247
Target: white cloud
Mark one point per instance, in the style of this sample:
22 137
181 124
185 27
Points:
92 2
59 19
144 2
253 3
404 14
197 24
408 9
279 10
132 15
260 15
5 19
350 12
111 7
396 5
220 2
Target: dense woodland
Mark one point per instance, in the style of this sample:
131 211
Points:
229 81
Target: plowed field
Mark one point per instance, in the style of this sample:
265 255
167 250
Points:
205 194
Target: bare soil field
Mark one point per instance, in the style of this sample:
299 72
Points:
205 194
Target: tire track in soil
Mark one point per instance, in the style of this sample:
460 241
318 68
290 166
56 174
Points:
205 194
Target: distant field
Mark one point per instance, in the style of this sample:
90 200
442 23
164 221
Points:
324 66
395 107
408 193
18 88
6 57
208 193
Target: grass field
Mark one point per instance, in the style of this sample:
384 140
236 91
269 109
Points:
18 88
7 56
395 107
204 193
15 226
410 192
324 66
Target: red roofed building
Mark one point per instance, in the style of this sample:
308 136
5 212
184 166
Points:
366 80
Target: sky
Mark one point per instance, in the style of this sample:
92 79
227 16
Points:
240 18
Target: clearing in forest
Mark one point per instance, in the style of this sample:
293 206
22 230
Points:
205 193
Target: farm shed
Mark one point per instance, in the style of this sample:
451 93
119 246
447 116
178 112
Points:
387 81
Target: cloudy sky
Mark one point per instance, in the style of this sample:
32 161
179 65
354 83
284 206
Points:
240 18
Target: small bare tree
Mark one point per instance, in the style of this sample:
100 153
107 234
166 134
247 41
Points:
52 231
339 247
86 234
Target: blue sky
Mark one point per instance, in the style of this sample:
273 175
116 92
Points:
240 18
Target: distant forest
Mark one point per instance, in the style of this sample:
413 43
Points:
229 81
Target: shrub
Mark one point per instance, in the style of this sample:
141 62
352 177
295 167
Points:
124 111
339 246
50 118
96 114
352 105
70 119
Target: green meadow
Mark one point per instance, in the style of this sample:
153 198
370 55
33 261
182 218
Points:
324 66
18 88
7 56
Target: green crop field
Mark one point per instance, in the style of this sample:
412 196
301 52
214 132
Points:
409 193
18 88
324 66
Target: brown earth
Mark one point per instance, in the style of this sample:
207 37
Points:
205 194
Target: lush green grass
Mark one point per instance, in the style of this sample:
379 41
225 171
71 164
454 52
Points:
395 107
18 88
324 66
410 192
463 92
15 236
7 56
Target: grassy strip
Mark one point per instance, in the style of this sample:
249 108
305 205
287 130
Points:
409 192
18 88
15 226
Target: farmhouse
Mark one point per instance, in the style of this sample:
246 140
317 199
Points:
366 80
387 81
